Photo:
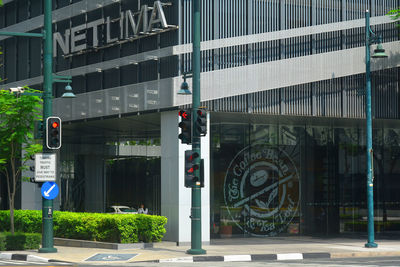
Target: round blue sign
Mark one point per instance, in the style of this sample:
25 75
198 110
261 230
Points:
49 190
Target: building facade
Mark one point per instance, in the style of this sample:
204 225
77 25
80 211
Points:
284 84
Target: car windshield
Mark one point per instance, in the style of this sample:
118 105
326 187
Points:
128 210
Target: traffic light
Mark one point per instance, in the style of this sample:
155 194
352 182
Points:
201 122
38 131
202 173
192 164
53 132
186 126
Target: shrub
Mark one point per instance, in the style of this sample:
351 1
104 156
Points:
22 241
117 228
27 221
2 242
150 228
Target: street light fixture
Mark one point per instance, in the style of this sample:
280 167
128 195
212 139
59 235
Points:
68 92
185 86
370 38
379 52
184 89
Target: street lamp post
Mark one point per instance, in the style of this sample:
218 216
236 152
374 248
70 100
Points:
48 79
47 204
196 146
370 38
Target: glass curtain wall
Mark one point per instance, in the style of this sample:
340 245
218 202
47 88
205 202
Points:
273 179
126 172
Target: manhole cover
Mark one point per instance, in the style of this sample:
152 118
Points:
111 257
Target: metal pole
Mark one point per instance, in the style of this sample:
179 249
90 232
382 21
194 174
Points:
370 182
47 205
196 147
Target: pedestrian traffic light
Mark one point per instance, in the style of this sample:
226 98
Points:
53 132
186 126
201 122
192 164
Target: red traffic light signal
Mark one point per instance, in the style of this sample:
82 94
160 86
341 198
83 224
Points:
192 164
186 126
55 124
53 132
201 122
184 114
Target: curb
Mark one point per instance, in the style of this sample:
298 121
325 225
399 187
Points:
95 244
26 257
246 258
227 258
277 257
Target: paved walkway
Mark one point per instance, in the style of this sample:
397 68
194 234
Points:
237 248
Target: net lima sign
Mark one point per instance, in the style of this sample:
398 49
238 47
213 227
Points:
130 25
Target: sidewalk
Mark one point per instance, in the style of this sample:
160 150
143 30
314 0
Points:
236 249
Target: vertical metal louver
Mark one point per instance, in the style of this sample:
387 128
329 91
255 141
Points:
337 97
340 97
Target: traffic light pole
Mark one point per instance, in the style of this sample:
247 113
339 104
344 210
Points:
47 204
196 146
370 181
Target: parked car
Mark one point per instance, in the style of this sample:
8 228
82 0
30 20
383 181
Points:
121 210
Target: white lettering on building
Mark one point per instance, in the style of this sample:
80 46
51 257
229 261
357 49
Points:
131 25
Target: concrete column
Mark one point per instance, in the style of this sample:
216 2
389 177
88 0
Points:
31 196
175 197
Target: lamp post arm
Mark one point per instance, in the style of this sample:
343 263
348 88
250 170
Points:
22 34
61 77
374 38
61 81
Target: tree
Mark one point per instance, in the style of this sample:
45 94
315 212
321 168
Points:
395 15
18 113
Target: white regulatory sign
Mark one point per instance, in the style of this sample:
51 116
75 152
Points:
45 167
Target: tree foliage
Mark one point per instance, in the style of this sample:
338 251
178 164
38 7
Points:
395 15
18 113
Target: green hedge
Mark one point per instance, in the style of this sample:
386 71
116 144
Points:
2 242
117 228
19 241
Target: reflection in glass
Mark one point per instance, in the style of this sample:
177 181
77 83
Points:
269 179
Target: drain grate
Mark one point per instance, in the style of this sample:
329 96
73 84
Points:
111 257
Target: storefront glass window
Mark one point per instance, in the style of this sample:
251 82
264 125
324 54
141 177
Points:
275 179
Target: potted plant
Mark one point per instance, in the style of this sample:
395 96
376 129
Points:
225 229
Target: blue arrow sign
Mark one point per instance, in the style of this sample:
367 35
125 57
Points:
49 190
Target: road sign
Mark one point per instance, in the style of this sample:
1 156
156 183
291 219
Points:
49 190
45 167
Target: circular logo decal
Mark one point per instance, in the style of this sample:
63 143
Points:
262 190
